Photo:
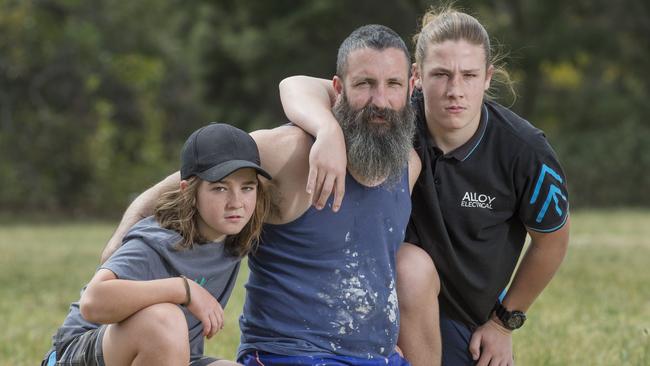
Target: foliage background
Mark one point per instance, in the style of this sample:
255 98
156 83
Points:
96 97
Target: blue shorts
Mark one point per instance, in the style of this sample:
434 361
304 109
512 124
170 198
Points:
455 342
256 358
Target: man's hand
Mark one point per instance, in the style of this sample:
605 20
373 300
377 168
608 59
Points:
491 344
327 168
206 309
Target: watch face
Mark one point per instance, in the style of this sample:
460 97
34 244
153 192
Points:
516 320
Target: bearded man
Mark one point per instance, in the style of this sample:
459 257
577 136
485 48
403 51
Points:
322 285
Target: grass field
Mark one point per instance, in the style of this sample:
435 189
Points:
595 312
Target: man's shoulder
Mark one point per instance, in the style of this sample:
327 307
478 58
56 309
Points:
283 147
414 168
286 136
284 153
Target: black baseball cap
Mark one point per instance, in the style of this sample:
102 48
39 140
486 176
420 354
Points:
215 151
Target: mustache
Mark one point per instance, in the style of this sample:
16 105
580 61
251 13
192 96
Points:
371 111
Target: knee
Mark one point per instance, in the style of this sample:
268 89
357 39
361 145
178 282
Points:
416 275
162 323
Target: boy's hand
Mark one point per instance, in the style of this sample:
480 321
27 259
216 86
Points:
206 309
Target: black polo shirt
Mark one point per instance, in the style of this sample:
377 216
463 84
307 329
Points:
472 206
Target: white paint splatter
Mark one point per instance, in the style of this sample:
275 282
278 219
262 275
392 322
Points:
391 307
328 300
352 297
363 309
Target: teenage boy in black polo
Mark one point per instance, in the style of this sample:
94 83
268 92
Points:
470 198
472 209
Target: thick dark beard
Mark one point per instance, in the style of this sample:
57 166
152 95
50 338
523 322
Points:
376 152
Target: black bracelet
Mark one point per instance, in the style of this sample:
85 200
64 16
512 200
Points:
188 294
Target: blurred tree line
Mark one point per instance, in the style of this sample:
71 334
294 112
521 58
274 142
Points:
96 97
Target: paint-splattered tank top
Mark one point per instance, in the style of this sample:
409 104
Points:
325 283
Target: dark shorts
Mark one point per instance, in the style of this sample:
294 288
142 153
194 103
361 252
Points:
83 350
455 342
86 350
256 358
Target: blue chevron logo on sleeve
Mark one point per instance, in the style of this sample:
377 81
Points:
553 192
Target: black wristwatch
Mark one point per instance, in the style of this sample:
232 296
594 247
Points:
511 319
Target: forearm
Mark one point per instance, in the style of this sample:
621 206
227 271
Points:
307 102
538 266
112 301
492 342
140 208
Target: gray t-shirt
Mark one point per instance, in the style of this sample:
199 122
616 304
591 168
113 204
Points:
149 253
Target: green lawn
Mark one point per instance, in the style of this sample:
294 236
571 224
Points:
595 312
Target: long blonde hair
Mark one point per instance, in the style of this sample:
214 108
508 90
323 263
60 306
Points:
176 210
446 23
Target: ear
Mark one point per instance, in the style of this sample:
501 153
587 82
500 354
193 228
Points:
183 185
415 76
488 76
337 83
